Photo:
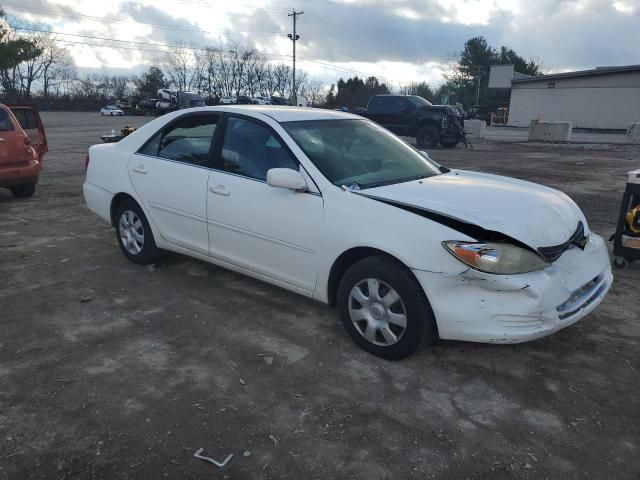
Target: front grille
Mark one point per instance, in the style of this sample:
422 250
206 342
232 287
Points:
553 253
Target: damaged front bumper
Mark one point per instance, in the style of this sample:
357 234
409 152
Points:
479 307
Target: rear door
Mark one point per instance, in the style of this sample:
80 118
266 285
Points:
402 118
170 174
30 121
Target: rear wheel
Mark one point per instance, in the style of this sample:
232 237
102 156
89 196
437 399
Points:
428 137
24 191
384 309
134 234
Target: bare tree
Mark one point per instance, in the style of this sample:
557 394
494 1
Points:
313 91
58 66
283 76
179 66
119 86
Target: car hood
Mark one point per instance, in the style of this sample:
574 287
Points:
535 215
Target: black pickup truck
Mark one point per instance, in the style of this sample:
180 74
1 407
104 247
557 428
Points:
413 116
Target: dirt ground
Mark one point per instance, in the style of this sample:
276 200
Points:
112 370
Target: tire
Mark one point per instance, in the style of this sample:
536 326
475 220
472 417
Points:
377 326
24 191
134 234
428 137
620 262
112 114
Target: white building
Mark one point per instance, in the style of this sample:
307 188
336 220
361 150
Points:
605 98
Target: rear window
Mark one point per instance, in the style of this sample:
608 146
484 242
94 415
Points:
26 118
6 125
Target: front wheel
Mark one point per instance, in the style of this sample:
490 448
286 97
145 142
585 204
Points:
384 309
428 137
620 262
449 144
134 234
24 191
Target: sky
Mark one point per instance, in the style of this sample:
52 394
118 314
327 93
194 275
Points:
400 41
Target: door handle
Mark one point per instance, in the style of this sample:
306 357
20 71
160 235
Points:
140 169
219 190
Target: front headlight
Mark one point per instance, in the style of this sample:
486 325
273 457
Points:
498 258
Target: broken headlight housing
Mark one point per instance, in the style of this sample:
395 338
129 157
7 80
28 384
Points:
494 257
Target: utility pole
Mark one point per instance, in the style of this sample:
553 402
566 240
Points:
478 88
294 38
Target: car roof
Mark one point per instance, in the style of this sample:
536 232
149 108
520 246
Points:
282 113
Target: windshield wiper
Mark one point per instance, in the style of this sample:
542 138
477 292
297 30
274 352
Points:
353 186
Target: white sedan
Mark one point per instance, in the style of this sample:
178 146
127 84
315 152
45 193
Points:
261 100
111 111
334 207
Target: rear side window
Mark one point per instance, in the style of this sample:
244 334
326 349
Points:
26 118
6 125
188 140
378 105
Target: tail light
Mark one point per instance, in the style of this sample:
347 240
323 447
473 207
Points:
86 162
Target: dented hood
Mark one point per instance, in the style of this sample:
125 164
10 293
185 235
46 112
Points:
535 215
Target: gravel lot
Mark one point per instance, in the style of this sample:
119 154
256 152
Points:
112 370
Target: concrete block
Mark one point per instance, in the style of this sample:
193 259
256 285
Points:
633 133
474 128
549 131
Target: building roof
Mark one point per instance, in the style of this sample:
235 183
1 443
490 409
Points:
581 73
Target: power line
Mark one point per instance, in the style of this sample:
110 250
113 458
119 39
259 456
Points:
164 45
159 46
133 42
116 22
208 4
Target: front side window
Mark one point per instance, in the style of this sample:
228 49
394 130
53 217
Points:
358 153
188 140
419 101
250 149
6 125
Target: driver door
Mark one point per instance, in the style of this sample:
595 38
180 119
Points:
270 231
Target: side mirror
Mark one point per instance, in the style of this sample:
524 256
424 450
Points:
286 178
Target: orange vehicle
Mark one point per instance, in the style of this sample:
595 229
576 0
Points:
23 144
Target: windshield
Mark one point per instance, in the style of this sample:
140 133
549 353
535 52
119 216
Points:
419 101
358 153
